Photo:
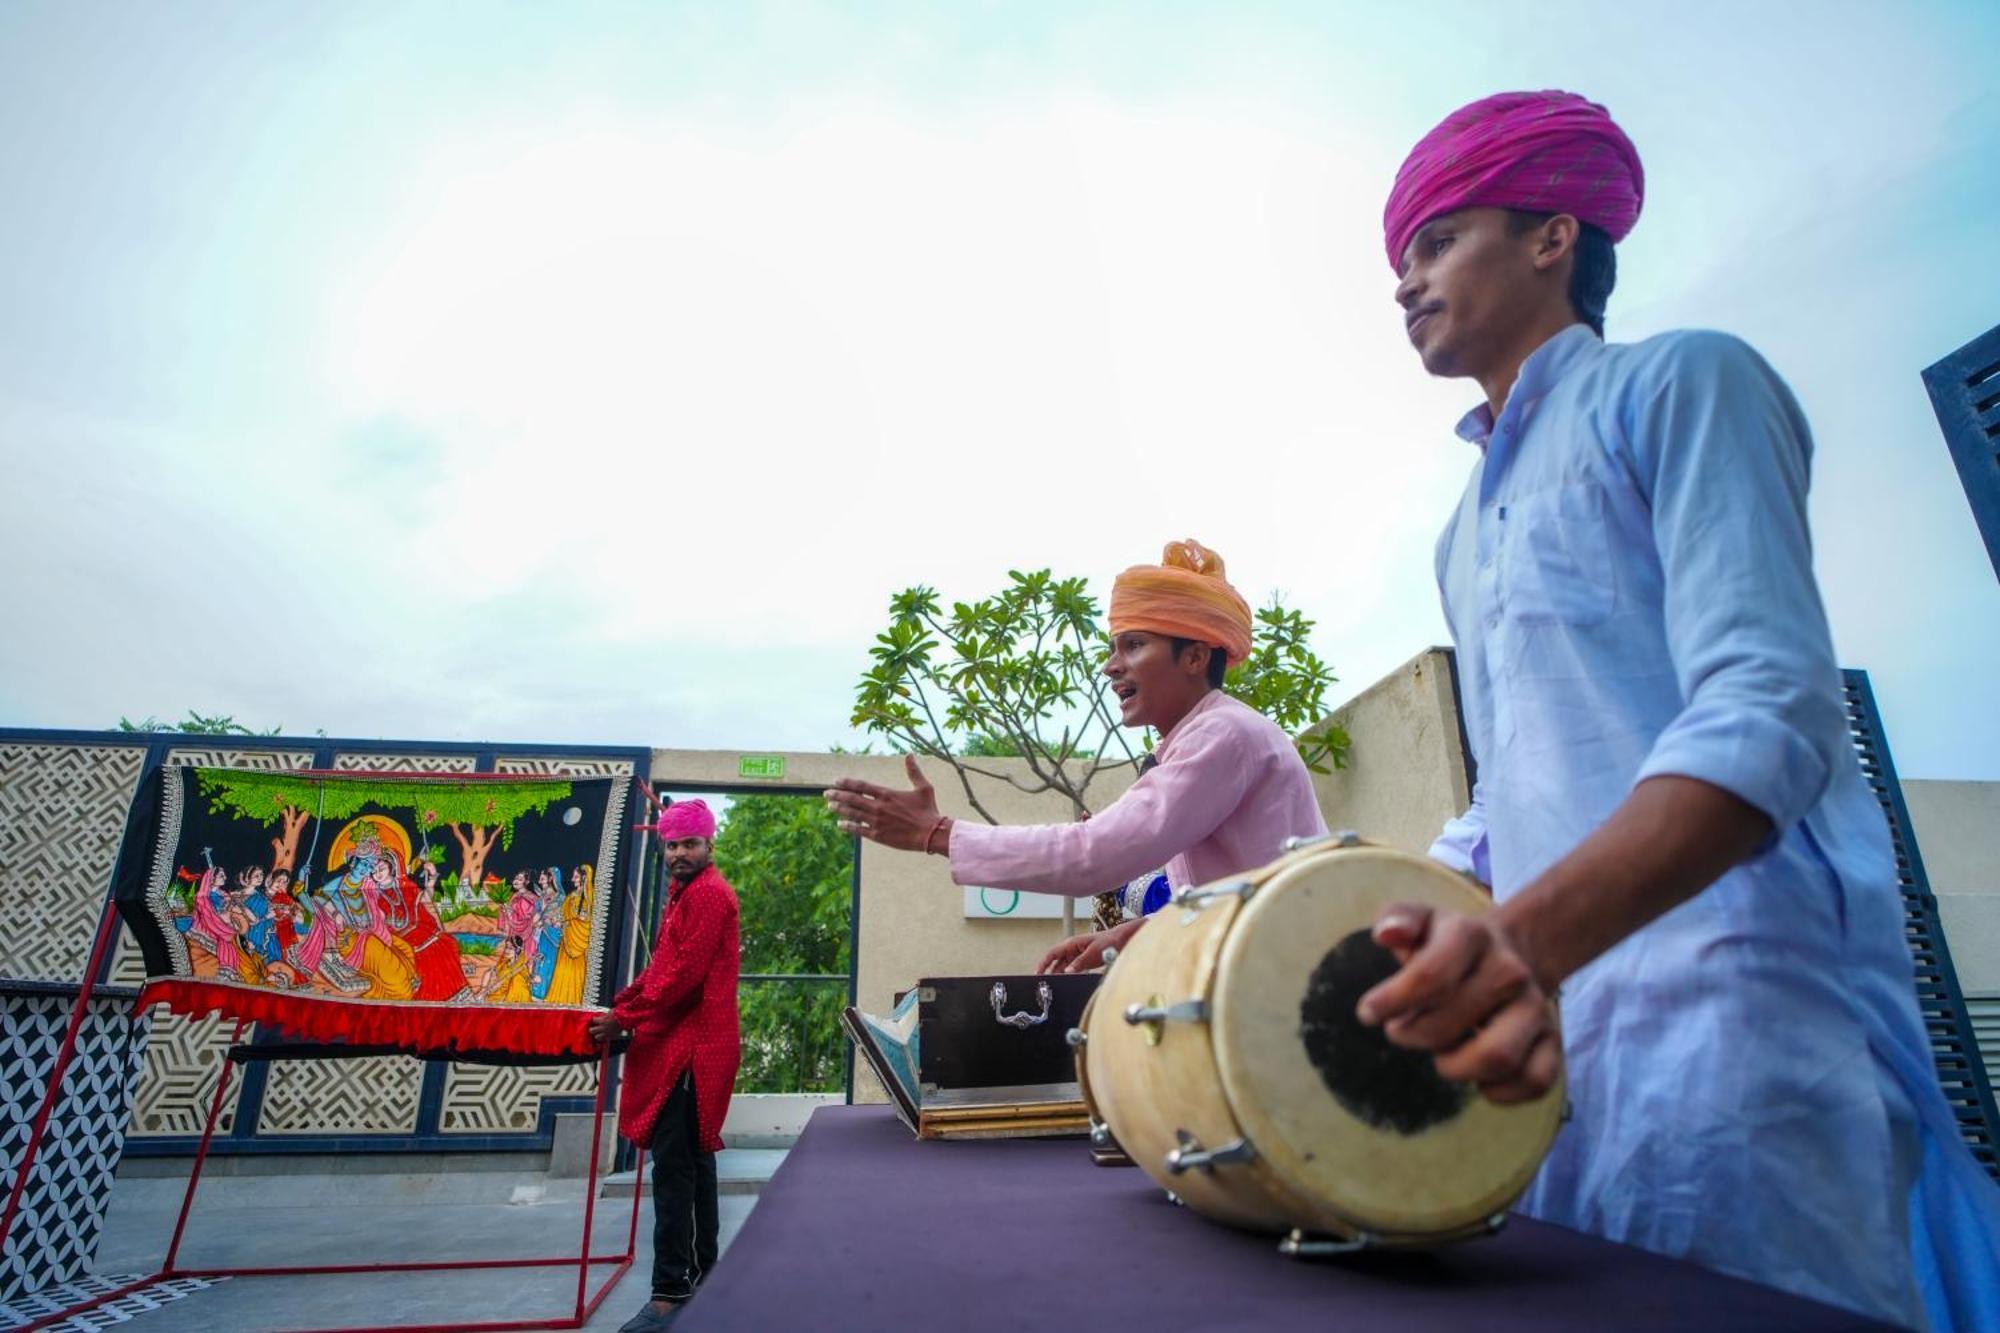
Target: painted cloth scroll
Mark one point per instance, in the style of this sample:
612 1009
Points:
429 913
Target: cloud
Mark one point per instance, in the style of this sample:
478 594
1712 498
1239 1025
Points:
603 382
926 354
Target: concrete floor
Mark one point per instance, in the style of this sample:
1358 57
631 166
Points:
376 1218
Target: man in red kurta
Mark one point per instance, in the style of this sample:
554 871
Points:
681 1065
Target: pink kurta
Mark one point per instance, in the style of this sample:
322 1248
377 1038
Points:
1228 790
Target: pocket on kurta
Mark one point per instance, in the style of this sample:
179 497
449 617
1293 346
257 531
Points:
1556 557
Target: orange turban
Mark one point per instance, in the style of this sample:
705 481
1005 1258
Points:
1185 596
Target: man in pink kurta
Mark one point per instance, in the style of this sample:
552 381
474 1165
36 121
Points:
1220 794
1227 790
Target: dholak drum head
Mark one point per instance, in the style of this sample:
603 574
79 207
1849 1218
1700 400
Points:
1335 1111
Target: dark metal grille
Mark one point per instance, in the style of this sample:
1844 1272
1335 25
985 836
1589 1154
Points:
1965 394
1954 1044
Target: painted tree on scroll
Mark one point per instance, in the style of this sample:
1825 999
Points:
478 817
280 799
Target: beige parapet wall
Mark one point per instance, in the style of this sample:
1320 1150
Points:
1406 777
1407 771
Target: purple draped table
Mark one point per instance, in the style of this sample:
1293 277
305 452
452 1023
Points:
864 1228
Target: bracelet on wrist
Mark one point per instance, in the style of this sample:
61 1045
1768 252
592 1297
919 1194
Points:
931 837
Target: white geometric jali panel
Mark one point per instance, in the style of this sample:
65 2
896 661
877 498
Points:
405 763
62 1209
376 1095
183 1057
62 814
120 1310
128 965
559 767
223 756
505 1099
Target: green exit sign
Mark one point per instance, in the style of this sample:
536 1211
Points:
760 766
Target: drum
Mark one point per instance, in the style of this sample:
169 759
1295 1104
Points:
1222 1053
1104 1149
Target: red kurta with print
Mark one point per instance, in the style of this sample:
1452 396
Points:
681 1012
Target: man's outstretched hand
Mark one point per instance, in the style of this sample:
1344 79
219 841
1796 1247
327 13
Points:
905 820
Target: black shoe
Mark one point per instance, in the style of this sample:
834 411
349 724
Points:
650 1320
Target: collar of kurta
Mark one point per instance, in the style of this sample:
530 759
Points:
1208 703
1543 369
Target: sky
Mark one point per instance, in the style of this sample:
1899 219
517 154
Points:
595 374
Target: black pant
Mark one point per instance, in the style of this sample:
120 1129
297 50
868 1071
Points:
685 1227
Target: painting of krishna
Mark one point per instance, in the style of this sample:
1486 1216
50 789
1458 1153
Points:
435 912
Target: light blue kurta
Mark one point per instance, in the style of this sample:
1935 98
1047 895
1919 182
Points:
1629 582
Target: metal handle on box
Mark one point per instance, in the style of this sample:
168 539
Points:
1023 1019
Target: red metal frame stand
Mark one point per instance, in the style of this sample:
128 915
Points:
583 1260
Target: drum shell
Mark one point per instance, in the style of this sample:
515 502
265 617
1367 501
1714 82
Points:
1147 1092
1104 1147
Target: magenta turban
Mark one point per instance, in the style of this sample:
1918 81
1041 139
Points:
686 819
1547 152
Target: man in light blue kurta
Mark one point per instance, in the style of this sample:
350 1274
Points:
1667 806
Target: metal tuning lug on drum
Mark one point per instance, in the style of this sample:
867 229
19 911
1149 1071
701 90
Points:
1303 1244
1156 1013
1023 1019
1191 1156
1191 901
1313 1245
1076 1037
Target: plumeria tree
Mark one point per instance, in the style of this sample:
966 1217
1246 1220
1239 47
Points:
1016 674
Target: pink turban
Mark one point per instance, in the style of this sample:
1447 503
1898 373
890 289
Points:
1547 152
686 819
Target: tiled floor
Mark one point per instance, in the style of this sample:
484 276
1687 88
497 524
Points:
276 1219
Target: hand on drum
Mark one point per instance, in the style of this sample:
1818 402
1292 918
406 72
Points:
906 820
1081 953
1465 991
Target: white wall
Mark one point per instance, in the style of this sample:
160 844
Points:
1958 834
